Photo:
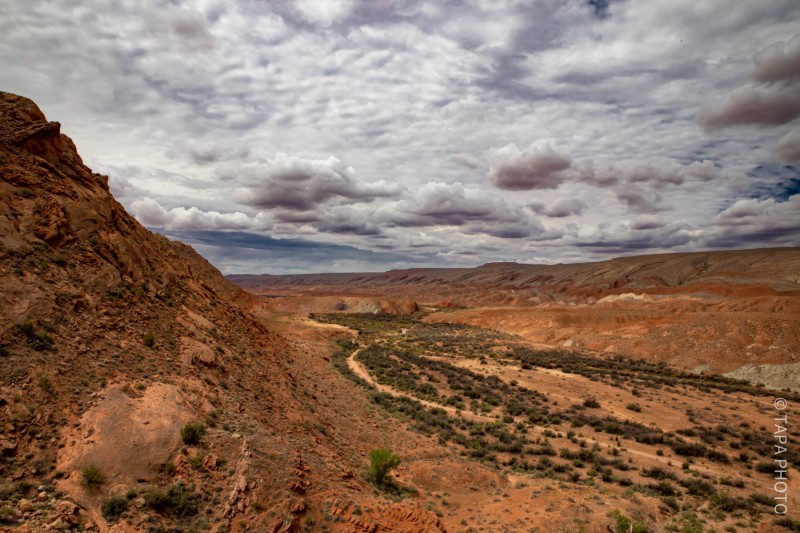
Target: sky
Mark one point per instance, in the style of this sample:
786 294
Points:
343 135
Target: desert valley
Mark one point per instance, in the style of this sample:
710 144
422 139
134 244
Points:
142 391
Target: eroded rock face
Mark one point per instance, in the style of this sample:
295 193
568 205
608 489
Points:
129 438
196 352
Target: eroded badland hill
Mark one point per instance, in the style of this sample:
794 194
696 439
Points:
142 391
714 311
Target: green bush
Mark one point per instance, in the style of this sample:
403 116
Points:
157 500
149 339
591 403
7 515
788 523
192 432
114 507
177 501
93 477
26 328
382 461
38 341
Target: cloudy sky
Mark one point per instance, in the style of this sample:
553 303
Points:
342 135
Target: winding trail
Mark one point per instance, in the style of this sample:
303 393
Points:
364 374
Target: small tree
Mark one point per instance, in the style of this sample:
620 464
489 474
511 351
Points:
382 461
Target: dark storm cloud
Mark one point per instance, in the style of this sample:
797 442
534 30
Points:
535 168
647 223
210 153
768 106
600 7
597 175
293 183
788 147
653 175
757 222
446 204
451 204
640 200
638 238
772 104
560 208
778 62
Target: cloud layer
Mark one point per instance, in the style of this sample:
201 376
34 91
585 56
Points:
422 132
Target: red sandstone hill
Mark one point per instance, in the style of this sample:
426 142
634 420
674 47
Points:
112 338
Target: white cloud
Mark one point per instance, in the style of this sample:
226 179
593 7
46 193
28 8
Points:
150 213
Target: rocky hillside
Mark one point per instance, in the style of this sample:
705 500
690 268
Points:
115 342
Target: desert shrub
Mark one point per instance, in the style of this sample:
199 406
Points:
177 501
671 502
7 490
738 483
718 456
698 487
762 499
634 407
149 339
192 432
157 500
46 385
765 467
38 341
7 515
688 449
727 503
658 473
691 524
382 461
624 525
664 488
591 403
93 477
182 500
788 523
196 461
26 328
114 507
